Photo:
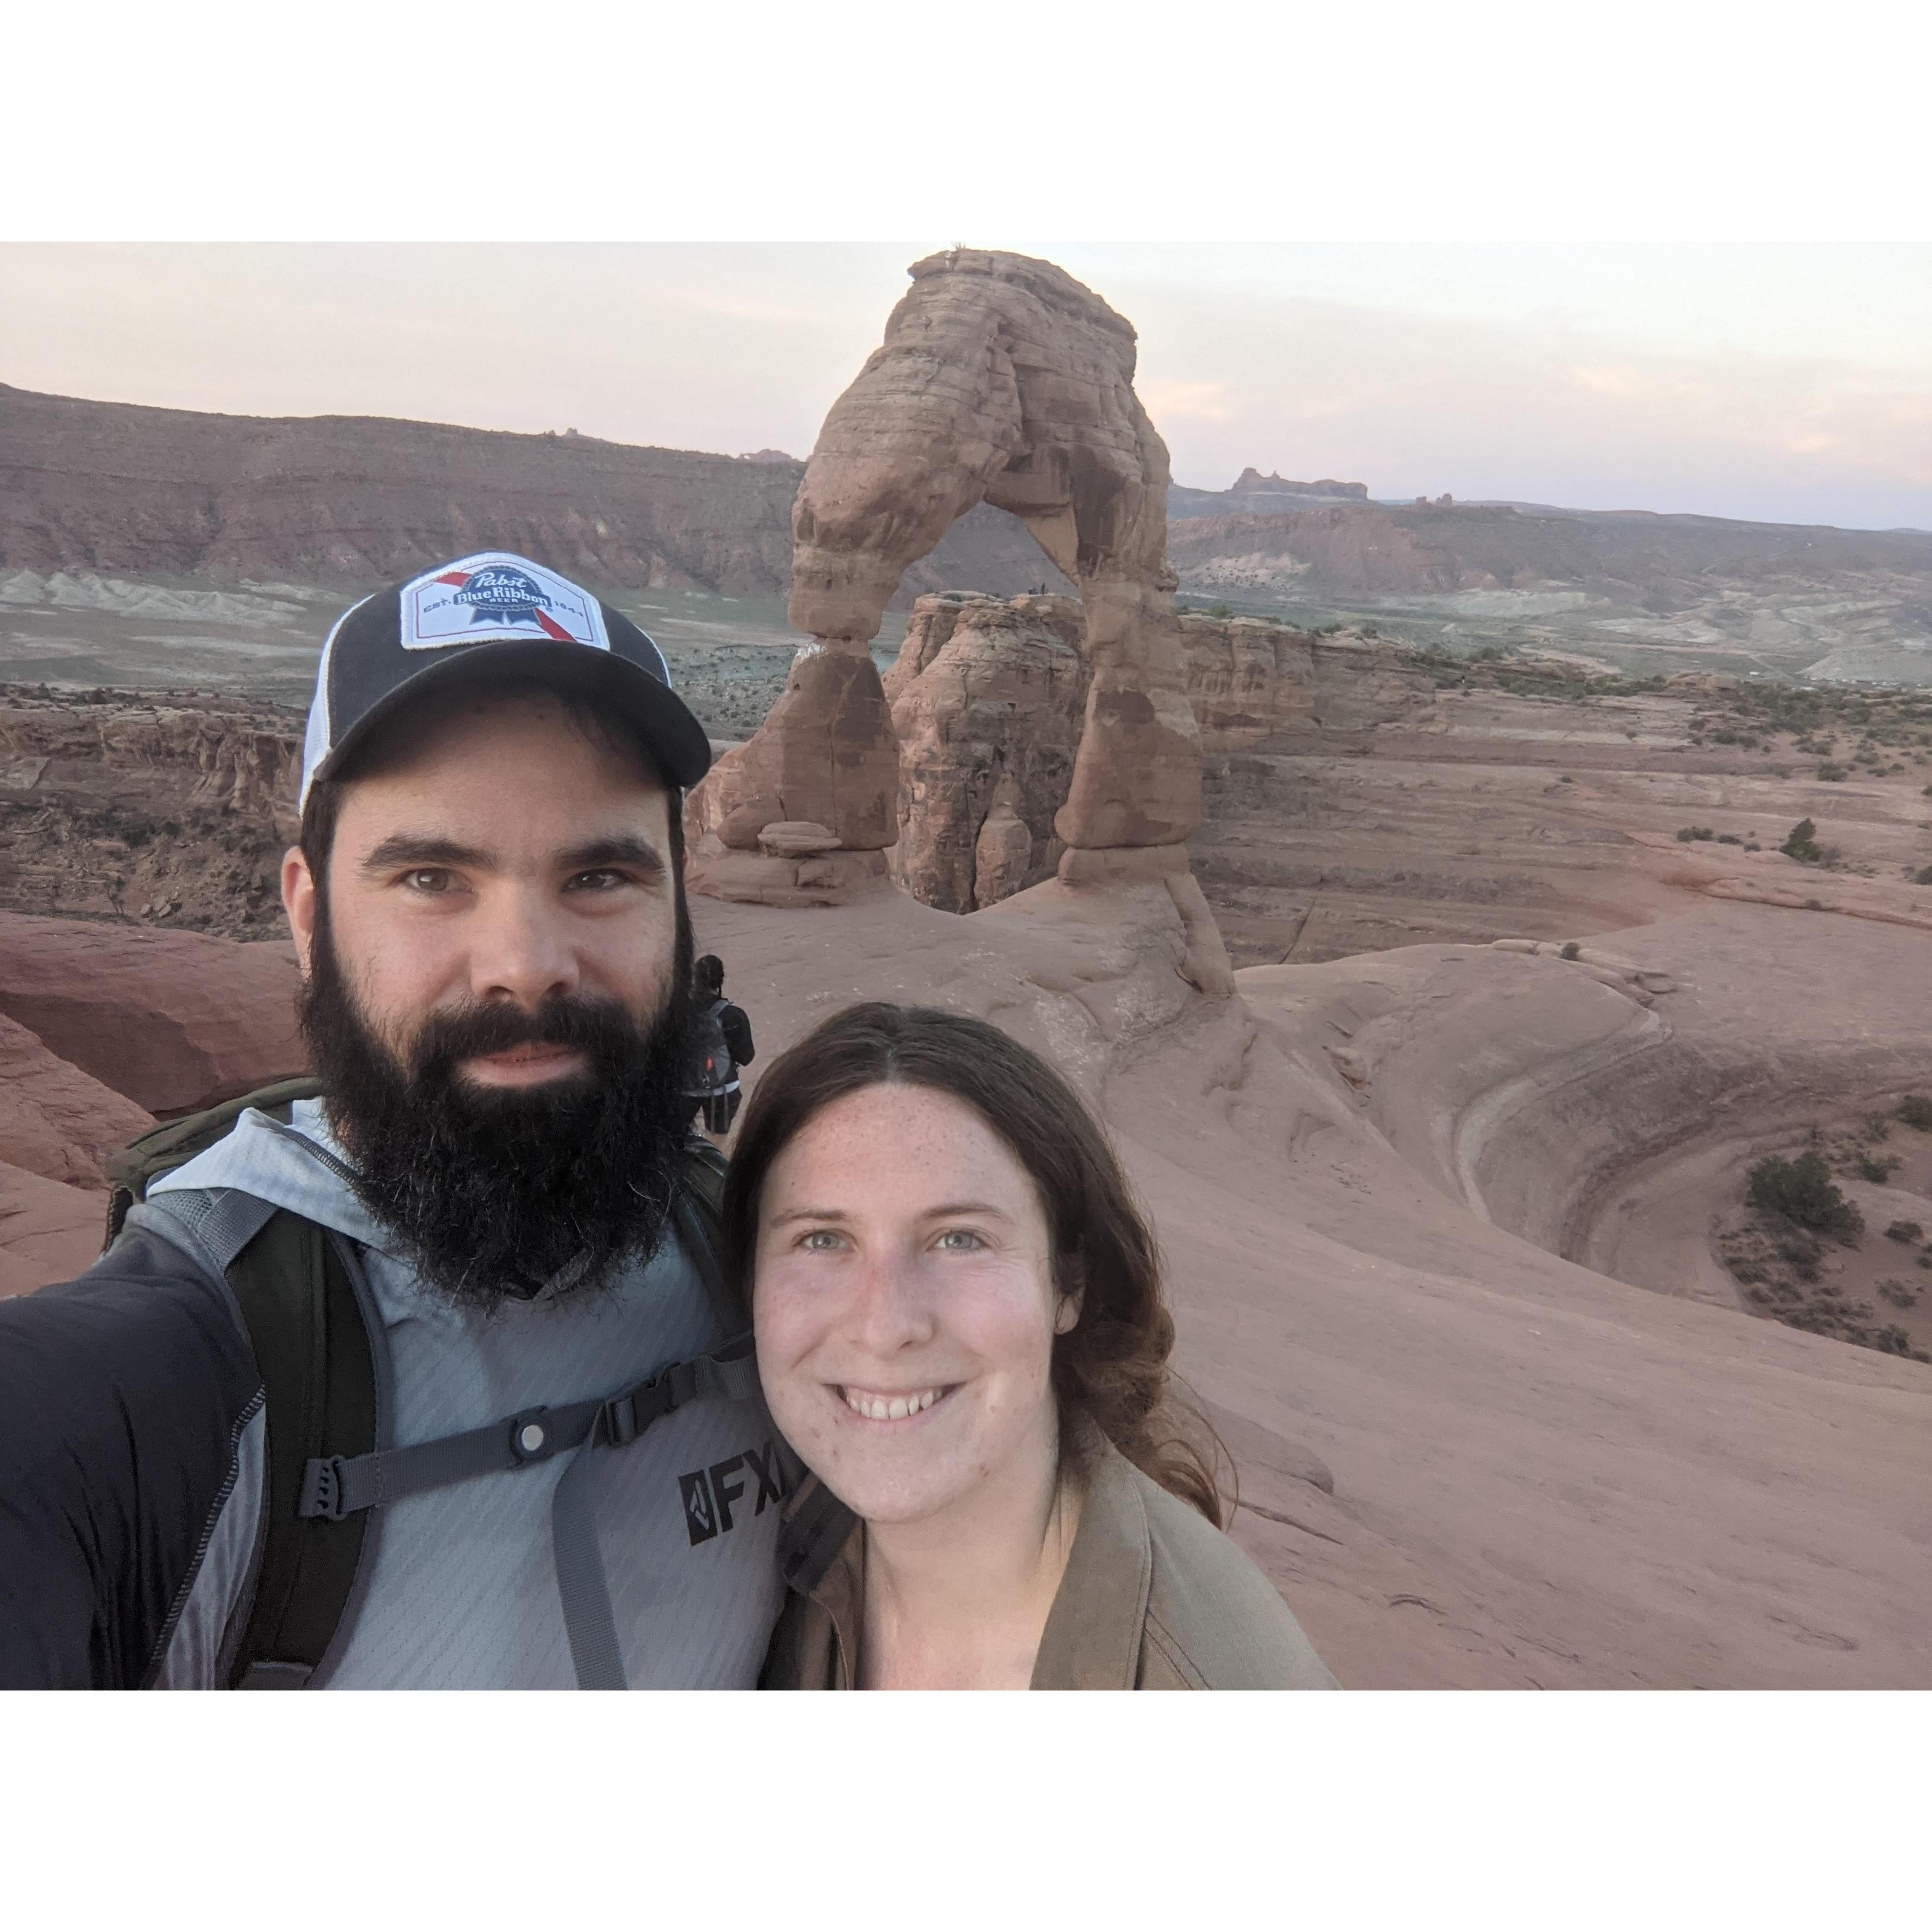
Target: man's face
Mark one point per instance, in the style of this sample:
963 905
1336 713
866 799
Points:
510 858
496 997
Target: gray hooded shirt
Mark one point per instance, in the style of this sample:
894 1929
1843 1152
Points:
459 1588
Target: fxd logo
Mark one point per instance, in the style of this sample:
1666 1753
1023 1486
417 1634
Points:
710 1493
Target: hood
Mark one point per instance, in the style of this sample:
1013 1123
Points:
301 1167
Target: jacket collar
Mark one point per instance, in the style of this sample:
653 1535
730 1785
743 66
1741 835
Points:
1092 1641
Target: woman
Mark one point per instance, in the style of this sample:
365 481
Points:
961 1331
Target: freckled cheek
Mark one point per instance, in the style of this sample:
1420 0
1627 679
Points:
1002 1320
792 1320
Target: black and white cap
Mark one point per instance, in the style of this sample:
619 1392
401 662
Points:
490 616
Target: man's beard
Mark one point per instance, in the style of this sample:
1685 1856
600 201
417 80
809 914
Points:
498 1193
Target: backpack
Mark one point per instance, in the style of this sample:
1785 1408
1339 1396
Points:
296 1284
711 1064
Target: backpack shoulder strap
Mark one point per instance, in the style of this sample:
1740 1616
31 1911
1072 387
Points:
312 1347
697 1210
173 1143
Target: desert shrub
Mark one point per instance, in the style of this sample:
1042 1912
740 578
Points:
1729 839
1923 877
1916 1111
1802 1256
1878 1168
1907 1231
1900 1294
1894 1341
1832 774
1687 833
1220 609
1801 843
1802 1193
1570 949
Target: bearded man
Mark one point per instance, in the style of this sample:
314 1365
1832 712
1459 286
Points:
424 1378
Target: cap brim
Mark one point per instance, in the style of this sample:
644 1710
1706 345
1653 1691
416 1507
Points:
673 736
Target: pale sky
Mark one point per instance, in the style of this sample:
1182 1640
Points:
1790 383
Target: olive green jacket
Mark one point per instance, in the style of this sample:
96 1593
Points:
1154 1598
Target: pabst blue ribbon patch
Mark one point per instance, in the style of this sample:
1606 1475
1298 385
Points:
496 594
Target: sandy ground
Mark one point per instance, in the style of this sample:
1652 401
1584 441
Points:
1486 814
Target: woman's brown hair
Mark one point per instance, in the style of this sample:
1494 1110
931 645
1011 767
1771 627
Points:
1110 1369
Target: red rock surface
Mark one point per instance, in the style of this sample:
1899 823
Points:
1465 1461
175 808
988 699
48 1232
175 1021
56 1121
1001 380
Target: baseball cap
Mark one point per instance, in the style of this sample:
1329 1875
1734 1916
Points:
491 616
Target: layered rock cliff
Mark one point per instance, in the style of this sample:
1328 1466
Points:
175 809
360 500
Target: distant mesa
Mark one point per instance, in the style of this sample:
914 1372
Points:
1252 483
1255 494
120 488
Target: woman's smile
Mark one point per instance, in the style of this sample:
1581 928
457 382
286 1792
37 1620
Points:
881 1405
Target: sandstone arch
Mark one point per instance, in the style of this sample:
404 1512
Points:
1001 379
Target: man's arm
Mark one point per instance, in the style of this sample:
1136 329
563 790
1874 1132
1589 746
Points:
737 1031
125 1398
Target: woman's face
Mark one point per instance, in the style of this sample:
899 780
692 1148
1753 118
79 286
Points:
904 1303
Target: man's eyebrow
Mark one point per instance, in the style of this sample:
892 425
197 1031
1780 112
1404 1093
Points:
422 848
620 849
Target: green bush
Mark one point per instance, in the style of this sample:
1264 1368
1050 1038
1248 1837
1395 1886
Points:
1878 1168
1916 1111
1687 833
1220 609
1907 1231
1801 843
1923 878
1802 1193
1832 774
